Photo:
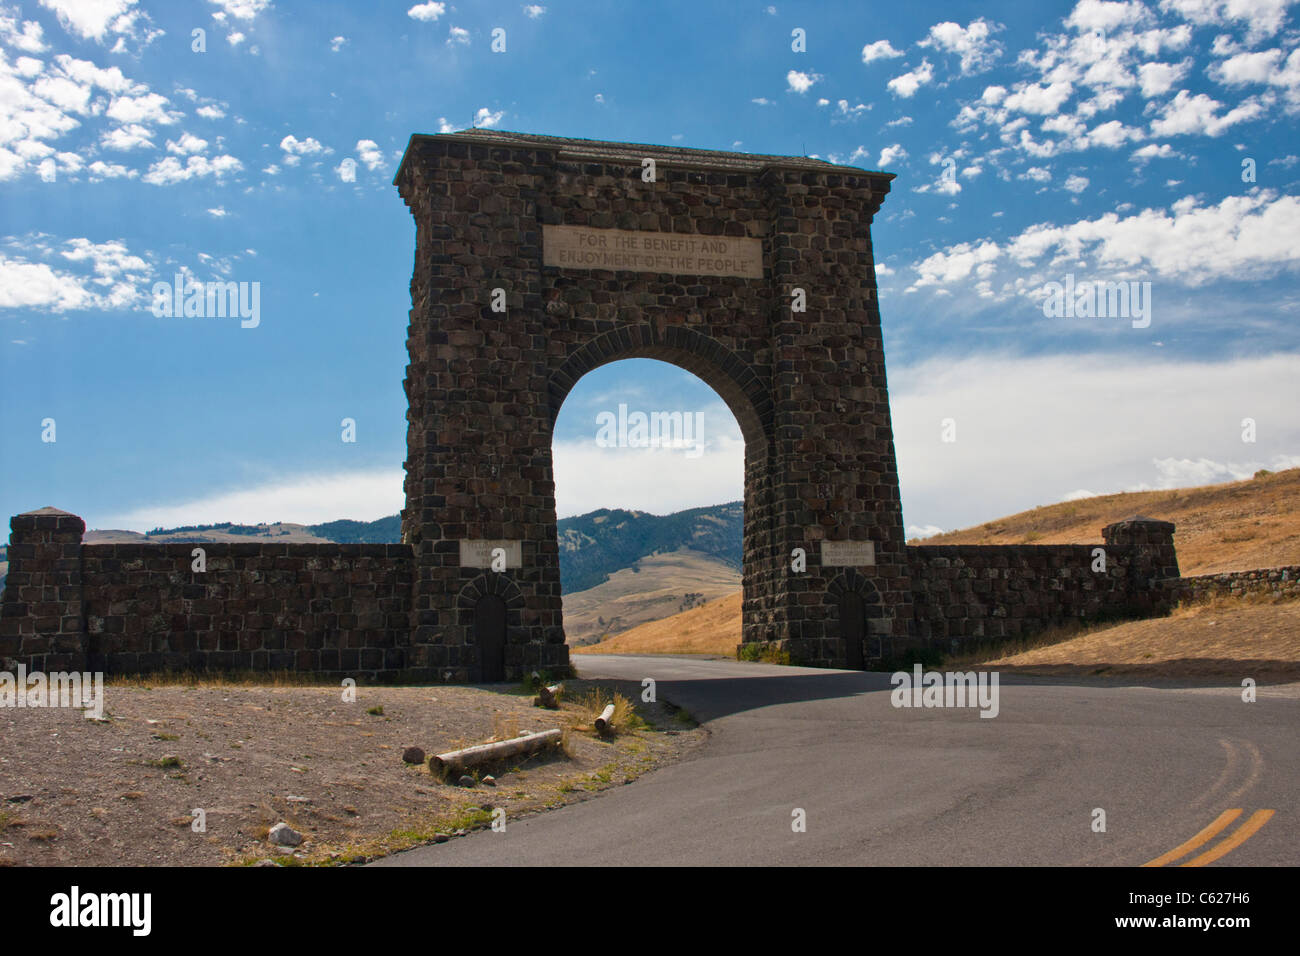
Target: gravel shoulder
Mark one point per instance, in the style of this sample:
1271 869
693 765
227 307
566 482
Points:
126 790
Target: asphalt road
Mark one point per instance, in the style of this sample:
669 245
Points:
881 785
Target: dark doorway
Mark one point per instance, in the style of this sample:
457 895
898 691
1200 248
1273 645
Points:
853 620
490 637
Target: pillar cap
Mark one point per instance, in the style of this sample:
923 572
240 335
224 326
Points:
1140 523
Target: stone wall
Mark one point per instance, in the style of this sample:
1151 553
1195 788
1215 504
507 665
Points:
1277 581
332 609
344 610
972 593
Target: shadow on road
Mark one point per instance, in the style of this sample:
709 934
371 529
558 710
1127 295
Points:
689 683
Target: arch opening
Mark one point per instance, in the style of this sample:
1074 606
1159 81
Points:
662 568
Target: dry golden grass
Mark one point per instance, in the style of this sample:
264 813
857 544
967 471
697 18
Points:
1233 636
711 629
652 593
1229 527
1232 527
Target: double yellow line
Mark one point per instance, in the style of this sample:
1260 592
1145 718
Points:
1224 847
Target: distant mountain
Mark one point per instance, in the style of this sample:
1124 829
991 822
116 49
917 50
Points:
344 531
592 546
595 545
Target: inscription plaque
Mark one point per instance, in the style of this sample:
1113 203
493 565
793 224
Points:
848 554
578 247
478 553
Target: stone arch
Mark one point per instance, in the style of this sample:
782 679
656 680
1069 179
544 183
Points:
745 393
539 259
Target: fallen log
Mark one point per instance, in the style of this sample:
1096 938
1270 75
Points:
605 719
457 760
548 697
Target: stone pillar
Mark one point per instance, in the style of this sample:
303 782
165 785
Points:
834 476
41 621
1153 568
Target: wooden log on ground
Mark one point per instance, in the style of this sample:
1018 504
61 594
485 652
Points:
458 760
604 720
548 697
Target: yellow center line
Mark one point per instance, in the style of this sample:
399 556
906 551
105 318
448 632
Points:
1226 817
1239 836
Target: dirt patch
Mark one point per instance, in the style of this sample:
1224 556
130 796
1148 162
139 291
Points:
1225 637
124 791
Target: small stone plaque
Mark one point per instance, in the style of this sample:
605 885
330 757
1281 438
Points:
478 553
578 247
848 554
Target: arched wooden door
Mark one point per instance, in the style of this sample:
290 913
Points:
853 627
490 637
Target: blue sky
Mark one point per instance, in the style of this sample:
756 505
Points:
1119 142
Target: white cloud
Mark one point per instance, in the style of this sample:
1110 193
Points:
295 148
168 171
457 36
890 155
1103 422
125 138
188 144
589 477
347 170
369 153
1199 114
100 170
100 20
34 285
149 108
880 50
239 9
211 112
1157 79
1038 100
1076 184
218 212
427 11
534 11
29 39
1078 495
113 282
485 118
1263 18
923 531
304 499
337 43
974 43
1242 238
906 84
801 83
235 38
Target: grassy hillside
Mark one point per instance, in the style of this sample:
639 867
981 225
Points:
655 587
1230 527
711 629
595 545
